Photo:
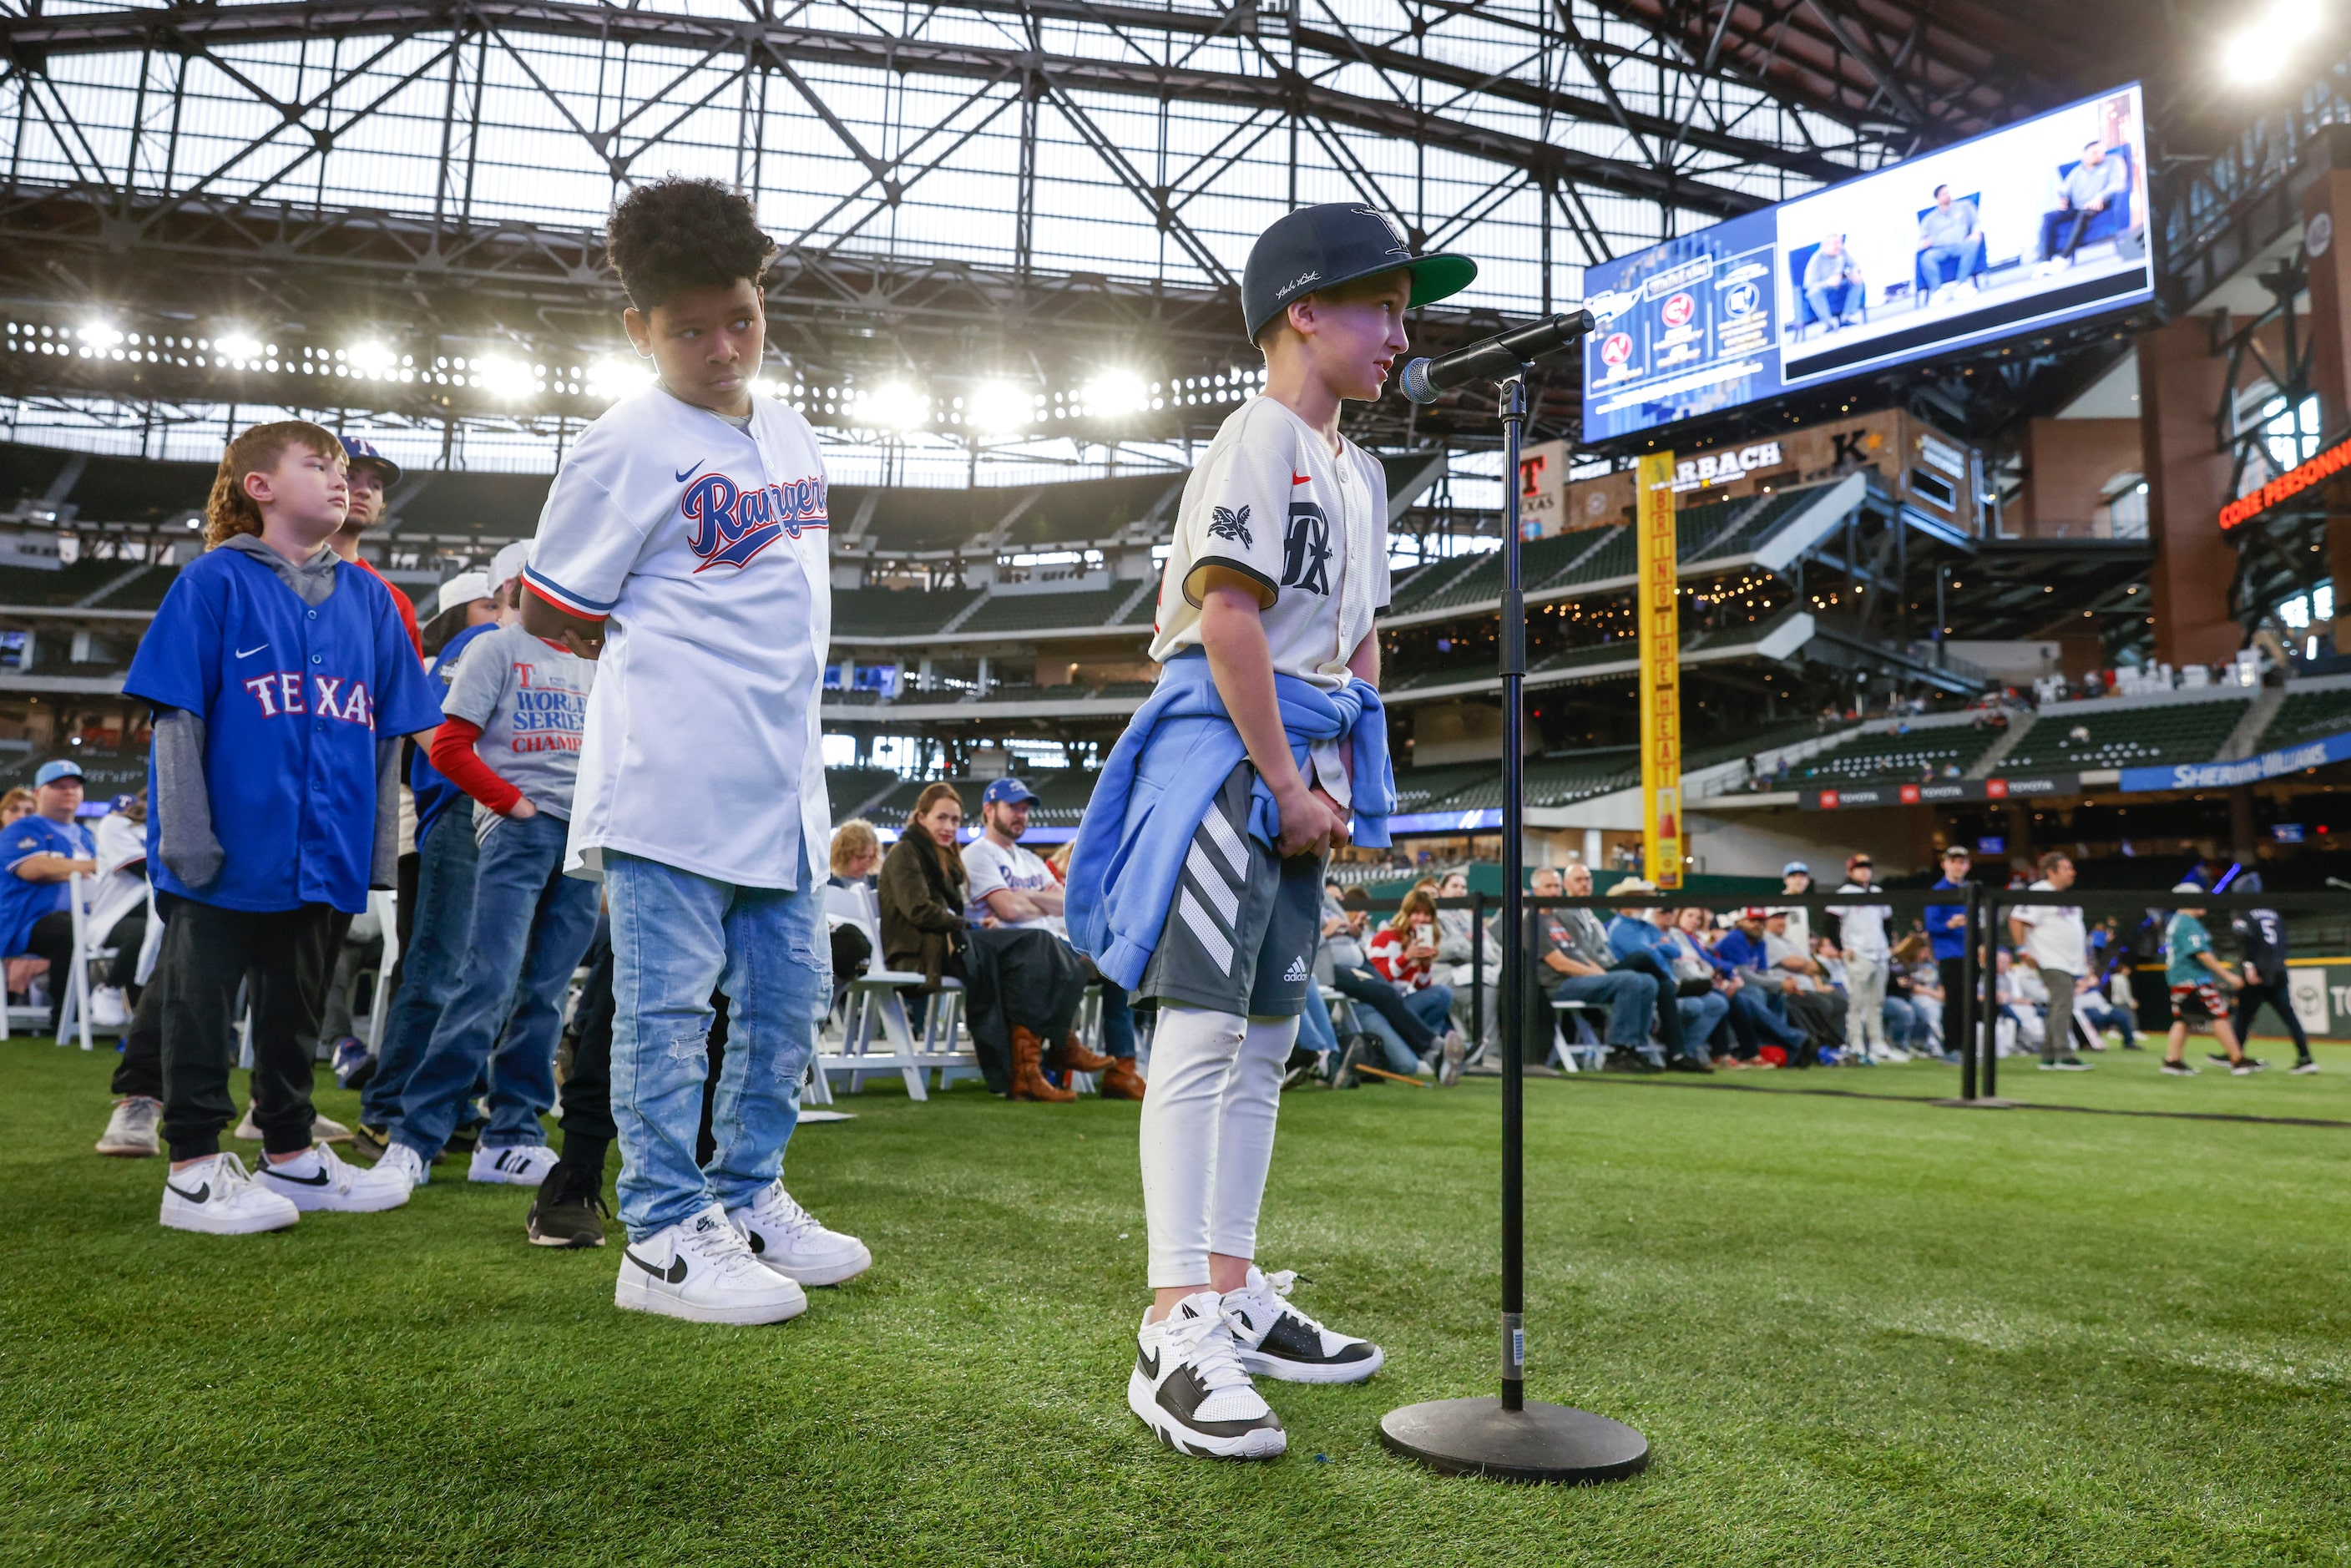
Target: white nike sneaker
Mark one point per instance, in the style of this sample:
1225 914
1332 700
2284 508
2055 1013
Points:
108 1007
702 1270
787 1238
519 1164
1188 1387
1275 1339
406 1163
215 1196
323 1129
131 1130
319 1180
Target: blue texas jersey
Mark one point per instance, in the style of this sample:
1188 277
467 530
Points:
23 902
293 697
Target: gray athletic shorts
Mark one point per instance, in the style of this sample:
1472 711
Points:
1241 935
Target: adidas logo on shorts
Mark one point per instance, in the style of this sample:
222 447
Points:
1297 970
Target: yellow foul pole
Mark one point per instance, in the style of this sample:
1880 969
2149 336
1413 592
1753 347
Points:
1661 686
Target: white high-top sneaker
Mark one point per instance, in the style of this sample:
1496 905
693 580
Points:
1274 1339
400 1160
1188 1387
701 1270
788 1240
319 1180
519 1164
215 1196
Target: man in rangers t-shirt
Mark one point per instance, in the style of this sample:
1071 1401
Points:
682 546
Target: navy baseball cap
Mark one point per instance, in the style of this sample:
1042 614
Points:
51 772
1334 243
356 452
1006 791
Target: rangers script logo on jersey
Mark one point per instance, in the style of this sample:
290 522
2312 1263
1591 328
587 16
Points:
731 525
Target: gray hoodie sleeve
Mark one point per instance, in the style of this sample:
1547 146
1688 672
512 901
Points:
386 870
183 802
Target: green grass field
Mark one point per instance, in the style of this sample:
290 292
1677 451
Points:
1855 1330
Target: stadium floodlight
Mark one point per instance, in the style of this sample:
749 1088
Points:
1114 393
2255 55
505 378
370 358
99 336
893 405
612 379
238 346
1001 408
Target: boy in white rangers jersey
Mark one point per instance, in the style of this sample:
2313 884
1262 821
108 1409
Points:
1197 876
685 543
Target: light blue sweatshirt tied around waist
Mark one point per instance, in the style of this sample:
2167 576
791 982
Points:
1159 781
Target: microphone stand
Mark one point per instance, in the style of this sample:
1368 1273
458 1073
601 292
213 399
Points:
1507 1438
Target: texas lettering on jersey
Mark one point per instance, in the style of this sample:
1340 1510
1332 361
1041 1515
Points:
731 525
280 693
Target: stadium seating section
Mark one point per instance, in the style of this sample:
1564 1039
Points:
2128 737
2307 716
1908 758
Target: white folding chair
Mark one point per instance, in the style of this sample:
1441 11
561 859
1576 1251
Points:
385 905
73 1014
876 1035
1588 1051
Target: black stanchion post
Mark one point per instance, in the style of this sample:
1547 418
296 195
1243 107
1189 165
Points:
1966 1044
1991 994
1505 1436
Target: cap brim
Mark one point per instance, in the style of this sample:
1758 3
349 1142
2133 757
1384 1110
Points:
1440 277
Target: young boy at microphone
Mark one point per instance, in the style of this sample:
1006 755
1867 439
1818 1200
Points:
1198 875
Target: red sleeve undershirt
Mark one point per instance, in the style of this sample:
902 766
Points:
452 753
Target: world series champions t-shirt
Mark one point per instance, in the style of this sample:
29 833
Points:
529 699
705 544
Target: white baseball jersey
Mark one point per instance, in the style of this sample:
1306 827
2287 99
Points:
1272 502
706 545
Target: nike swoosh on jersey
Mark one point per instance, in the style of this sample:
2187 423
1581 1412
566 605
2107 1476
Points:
1297 478
691 471
249 652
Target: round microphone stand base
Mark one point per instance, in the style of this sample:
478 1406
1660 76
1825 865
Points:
1554 1444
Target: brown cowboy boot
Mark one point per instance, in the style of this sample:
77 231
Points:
1027 1075
1071 1056
1121 1081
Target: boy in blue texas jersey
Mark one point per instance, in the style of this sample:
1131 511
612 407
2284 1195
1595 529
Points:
281 680
1197 875
684 541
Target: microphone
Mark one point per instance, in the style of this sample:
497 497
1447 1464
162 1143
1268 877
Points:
1493 359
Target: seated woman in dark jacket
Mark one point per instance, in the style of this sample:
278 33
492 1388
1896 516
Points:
923 891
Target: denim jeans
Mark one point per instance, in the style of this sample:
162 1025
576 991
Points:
1118 1021
1432 1005
1632 1001
434 961
676 938
1314 1031
531 927
1701 1016
1753 1008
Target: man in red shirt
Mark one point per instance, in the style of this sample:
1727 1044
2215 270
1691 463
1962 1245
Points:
372 475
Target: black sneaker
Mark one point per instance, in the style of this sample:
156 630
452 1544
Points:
1304 1066
2304 1068
1276 1340
2247 1068
567 1209
1688 1064
2177 1070
2065 1064
373 1142
1342 1073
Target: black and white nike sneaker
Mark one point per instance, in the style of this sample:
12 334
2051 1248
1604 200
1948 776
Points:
1188 1387
701 1270
1275 1339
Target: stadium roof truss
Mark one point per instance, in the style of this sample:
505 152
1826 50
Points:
973 191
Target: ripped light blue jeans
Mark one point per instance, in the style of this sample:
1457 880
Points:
678 938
